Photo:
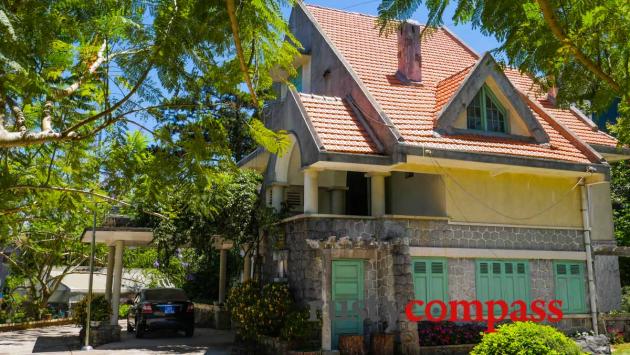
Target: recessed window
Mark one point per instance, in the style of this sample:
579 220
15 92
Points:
297 80
485 113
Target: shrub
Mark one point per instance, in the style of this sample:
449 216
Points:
298 329
526 338
123 309
625 300
449 333
259 310
100 310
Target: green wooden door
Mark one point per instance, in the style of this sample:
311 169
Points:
347 289
430 282
571 286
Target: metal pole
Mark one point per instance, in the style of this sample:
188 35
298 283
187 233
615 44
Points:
89 295
586 203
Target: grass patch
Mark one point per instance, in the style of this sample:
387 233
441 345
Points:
621 349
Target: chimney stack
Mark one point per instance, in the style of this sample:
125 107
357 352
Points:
409 57
552 94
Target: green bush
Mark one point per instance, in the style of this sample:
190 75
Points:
259 310
625 300
100 310
526 338
297 327
123 309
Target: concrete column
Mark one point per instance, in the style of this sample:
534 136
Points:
277 196
117 280
222 274
337 205
247 267
311 190
110 273
377 192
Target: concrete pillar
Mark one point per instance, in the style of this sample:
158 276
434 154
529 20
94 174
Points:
277 196
117 279
337 205
110 273
222 274
311 190
247 267
377 192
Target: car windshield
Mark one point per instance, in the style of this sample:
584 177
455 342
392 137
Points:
166 294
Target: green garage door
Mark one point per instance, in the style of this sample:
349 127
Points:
347 288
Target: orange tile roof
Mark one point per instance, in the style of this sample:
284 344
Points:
336 124
445 64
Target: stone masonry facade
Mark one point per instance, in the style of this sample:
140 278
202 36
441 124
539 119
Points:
384 245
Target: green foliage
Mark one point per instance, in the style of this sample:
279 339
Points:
298 329
620 195
526 338
592 31
123 309
100 310
259 310
625 299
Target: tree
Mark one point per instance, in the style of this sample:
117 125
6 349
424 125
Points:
620 188
581 47
59 59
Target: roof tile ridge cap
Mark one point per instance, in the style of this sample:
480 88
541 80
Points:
563 129
461 41
353 74
576 111
438 114
451 76
340 10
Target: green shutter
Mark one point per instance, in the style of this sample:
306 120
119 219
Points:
505 280
430 281
347 288
570 286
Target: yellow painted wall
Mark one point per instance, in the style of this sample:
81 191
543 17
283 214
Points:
512 198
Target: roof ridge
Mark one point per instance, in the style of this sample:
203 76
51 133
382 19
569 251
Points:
320 97
340 10
453 75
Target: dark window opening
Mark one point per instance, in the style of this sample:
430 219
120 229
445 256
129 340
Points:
357 194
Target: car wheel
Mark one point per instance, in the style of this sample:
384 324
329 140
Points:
190 331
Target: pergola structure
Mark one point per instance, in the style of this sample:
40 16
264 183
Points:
117 238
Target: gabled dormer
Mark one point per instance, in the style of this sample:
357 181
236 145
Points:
484 102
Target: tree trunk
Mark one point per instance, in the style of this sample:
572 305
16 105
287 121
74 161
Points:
382 344
351 345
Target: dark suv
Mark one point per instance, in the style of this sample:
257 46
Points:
161 308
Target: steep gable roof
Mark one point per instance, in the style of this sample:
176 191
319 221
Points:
337 125
446 63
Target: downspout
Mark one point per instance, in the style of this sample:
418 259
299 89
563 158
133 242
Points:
586 203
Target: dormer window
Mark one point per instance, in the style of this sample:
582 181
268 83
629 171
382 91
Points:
485 113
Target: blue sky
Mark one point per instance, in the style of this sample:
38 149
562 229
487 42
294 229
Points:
472 37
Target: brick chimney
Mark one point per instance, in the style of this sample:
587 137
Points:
409 57
552 94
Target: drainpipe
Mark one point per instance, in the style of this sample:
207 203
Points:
586 203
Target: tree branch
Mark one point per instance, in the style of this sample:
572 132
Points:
84 192
100 59
239 50
557 31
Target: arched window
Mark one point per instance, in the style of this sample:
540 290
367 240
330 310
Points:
485 113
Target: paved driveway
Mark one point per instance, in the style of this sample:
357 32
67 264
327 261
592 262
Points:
65 340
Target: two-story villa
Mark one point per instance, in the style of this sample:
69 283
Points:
418 169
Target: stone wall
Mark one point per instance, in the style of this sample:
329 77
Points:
388 263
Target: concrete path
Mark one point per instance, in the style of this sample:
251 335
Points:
65 340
